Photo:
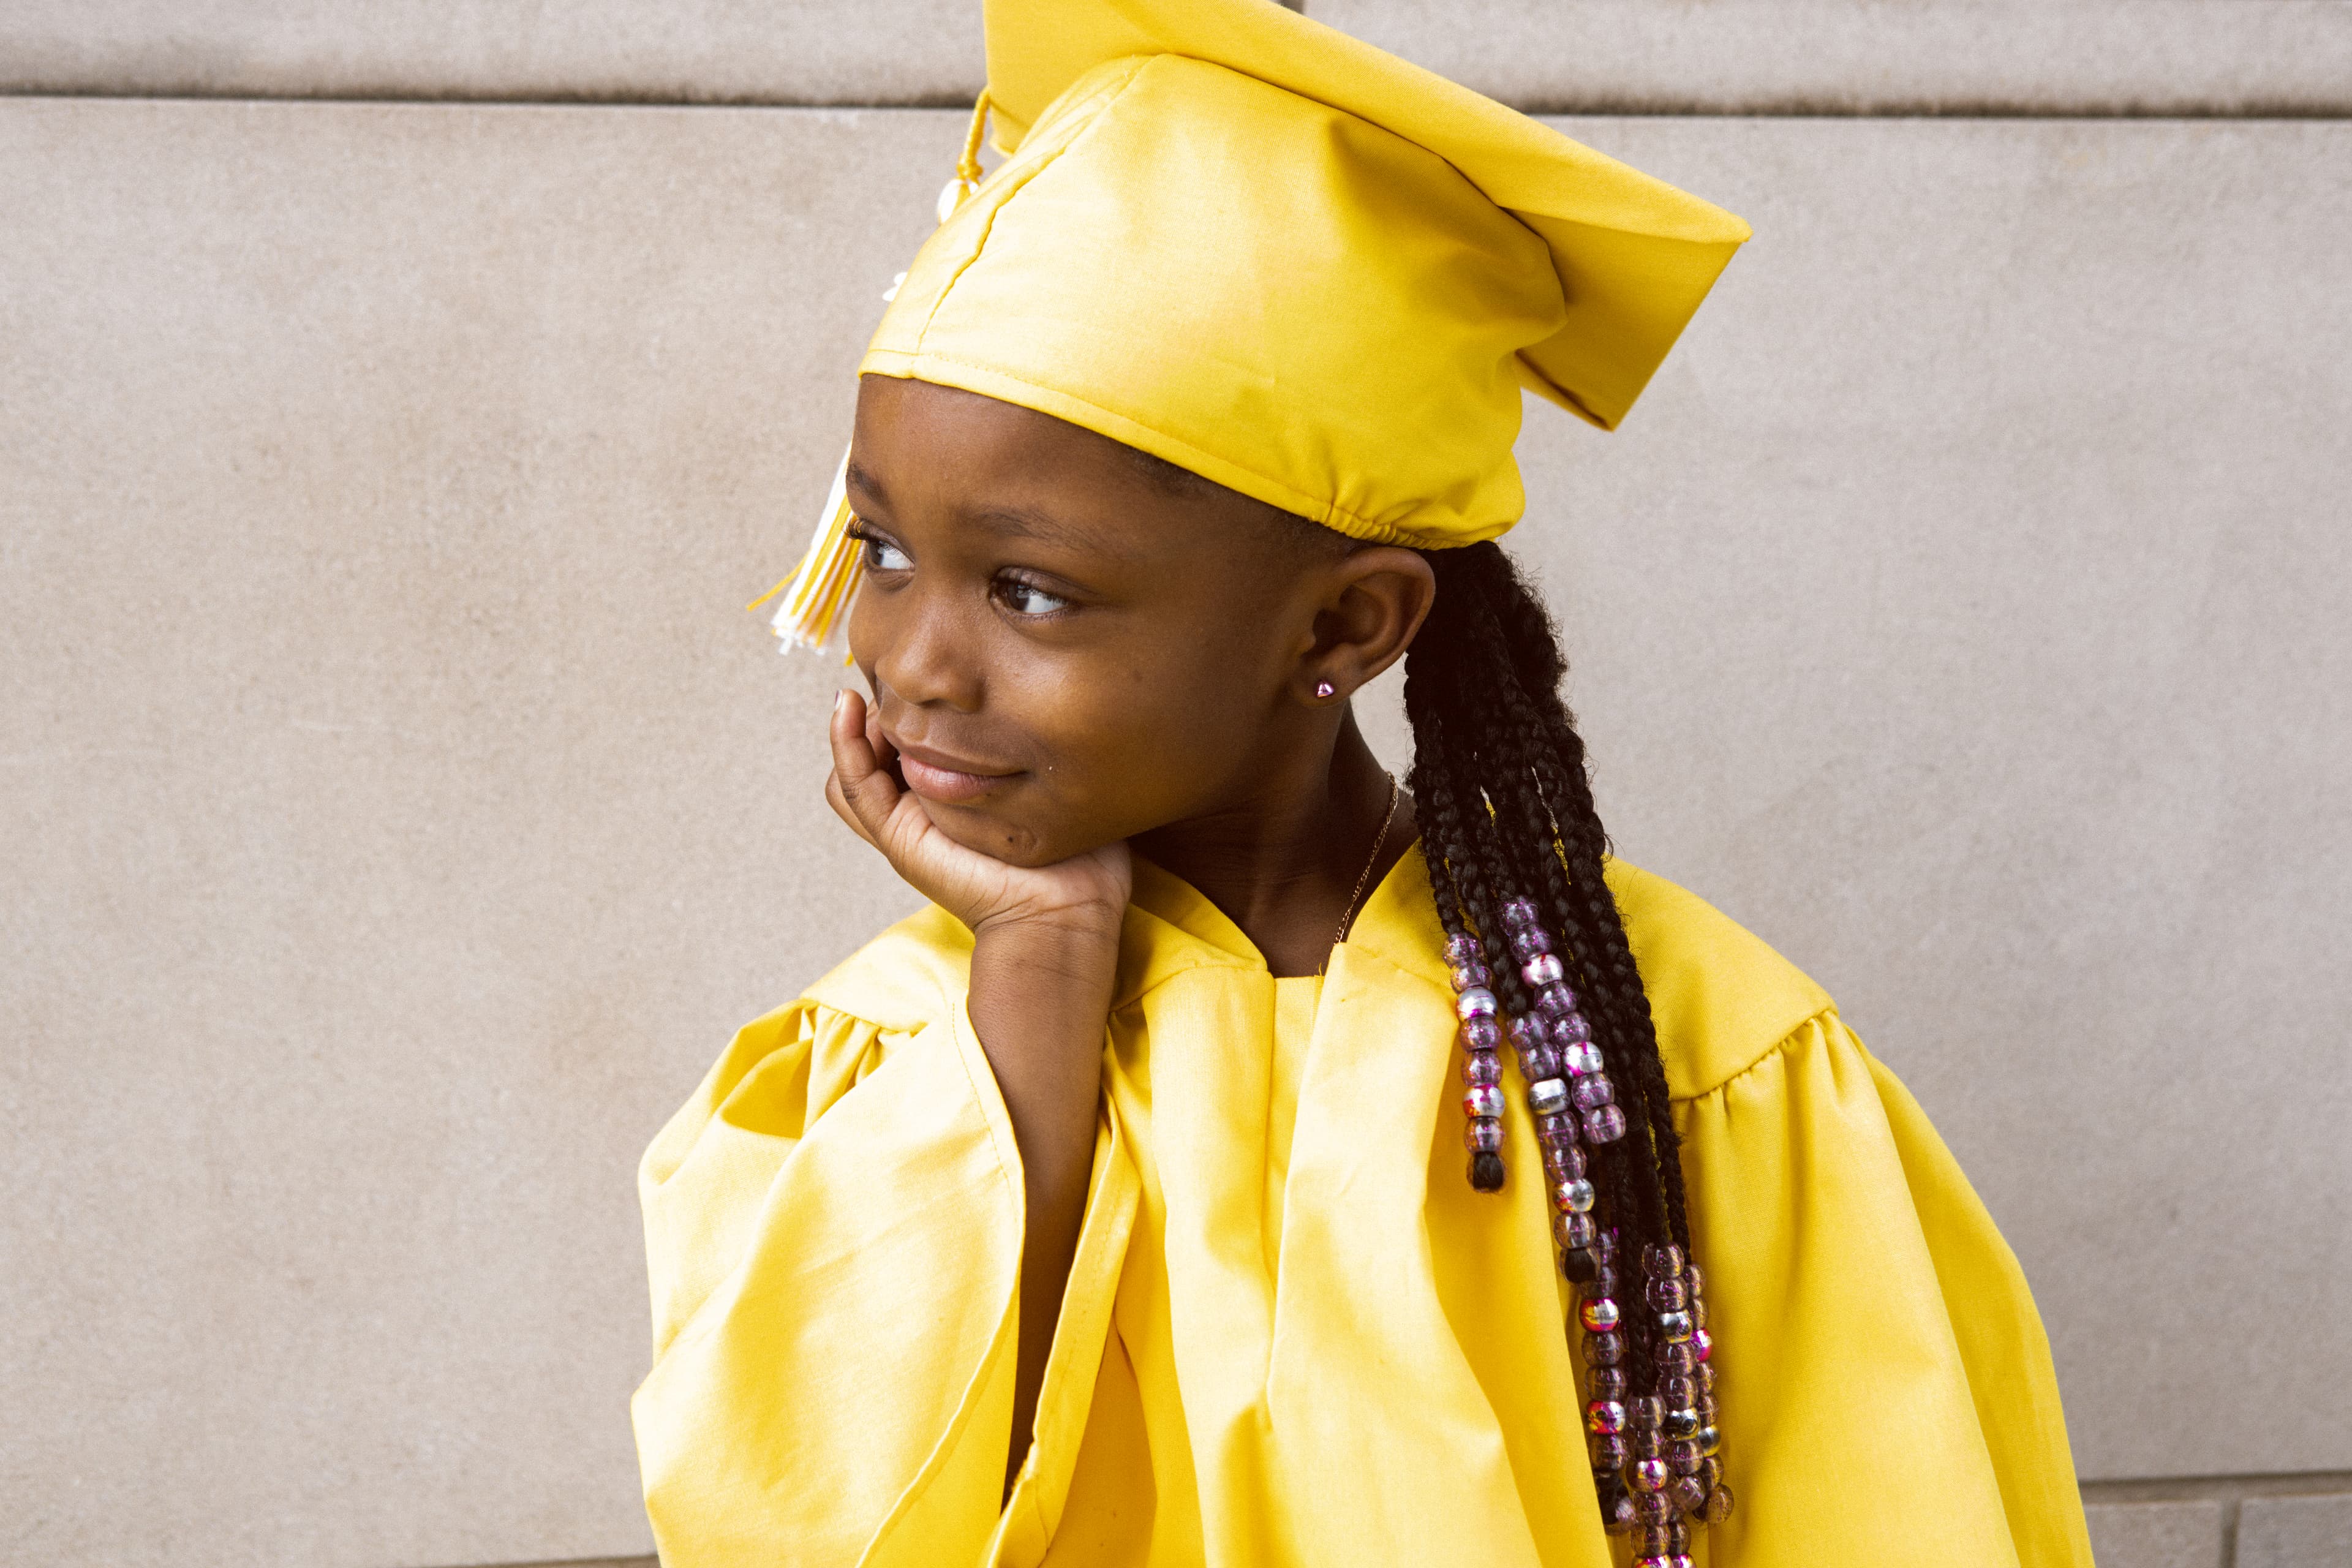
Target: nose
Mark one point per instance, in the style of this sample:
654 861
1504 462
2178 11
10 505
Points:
923 652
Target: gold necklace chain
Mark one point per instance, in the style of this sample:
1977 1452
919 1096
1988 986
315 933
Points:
1364 876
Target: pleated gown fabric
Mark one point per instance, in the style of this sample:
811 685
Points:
1293 1335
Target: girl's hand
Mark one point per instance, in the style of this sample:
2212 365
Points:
1043 957
1081 898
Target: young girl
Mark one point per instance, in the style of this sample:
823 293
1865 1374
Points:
1249 1157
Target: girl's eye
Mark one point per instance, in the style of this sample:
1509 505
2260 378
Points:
881 556
1027 598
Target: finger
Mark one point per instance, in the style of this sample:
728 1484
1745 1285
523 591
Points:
840 804
869 791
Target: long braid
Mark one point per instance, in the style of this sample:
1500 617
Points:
1556 754
1516 851
1516 748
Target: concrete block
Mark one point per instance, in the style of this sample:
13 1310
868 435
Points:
2295 1531
1837 56
2156 1535
684 51
418 811
1878 56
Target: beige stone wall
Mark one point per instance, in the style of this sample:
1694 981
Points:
406 810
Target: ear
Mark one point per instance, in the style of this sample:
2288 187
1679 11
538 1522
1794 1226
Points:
1373 601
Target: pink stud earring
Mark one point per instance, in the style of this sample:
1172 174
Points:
1325 689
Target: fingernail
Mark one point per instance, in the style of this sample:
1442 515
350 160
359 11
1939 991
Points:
838 698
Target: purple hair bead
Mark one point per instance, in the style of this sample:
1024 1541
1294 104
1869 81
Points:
1556 1002
1570 1029
1484 1099
1547 1095
1479 1068
1604 1350
1465 975
1483 1135
1481 1034
1531 940
1594 1091
1543 969
1563 1162
1463 948
1476 1003
1539 1062
1605 1124
1558 1130
1580 1061
1518 914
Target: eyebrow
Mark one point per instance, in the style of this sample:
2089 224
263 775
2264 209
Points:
1018 521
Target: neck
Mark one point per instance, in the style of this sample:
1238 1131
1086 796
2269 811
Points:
1283 861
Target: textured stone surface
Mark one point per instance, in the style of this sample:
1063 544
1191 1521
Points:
2156 1535
2295 1533
417 812
2269 57
688 51
1900 56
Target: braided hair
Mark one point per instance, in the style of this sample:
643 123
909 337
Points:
1514 851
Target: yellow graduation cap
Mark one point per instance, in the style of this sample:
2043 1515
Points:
1279 257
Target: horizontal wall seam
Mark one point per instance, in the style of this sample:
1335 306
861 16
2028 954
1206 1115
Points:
2233 1488
1770 108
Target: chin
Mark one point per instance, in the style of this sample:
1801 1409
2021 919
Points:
1000 836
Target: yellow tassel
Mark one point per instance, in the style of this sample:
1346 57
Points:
820 587
967 175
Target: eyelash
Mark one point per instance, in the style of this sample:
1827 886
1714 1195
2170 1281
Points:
1001 590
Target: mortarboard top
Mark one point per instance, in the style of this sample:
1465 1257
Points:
1287 261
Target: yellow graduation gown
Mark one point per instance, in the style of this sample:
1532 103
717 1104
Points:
1293 1335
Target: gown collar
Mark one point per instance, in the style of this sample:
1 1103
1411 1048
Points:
1172 927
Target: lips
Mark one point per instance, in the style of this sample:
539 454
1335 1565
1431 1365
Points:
944 777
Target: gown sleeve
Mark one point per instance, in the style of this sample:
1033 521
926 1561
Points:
1886 1385
833 1228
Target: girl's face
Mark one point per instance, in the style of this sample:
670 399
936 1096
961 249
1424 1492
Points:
1063 649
